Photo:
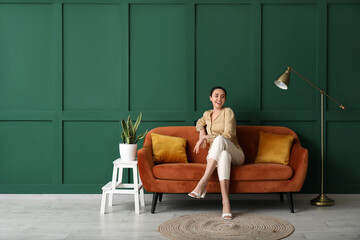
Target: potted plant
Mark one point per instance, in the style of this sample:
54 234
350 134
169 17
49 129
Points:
128 148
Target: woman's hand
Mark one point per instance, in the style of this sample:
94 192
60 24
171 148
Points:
200 143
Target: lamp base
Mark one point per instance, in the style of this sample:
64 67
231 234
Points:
322 200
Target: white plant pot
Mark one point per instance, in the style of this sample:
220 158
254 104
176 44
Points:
127 151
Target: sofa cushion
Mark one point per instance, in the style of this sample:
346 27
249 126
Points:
168 149
274 148
247 172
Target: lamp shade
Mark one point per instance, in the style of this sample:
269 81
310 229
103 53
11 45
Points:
283 81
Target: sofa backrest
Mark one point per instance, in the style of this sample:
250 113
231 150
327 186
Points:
248 138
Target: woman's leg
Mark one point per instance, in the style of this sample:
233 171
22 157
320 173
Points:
224 167
231 156
201 186
212 159
224 185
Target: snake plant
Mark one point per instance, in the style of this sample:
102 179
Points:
128 134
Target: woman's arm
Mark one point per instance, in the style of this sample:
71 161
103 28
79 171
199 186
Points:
230 124
200 143
201 123
202 134
200 127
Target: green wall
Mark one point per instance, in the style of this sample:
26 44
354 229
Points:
69 70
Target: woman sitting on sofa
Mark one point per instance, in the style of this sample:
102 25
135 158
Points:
224 149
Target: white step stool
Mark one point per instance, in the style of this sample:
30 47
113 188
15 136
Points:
117 187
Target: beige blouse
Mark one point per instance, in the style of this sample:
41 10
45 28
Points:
224 125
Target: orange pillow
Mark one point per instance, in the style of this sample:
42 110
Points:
168 149
274 148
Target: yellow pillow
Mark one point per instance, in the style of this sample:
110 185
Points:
168 149
274 148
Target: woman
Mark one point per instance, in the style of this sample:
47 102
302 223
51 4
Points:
224 149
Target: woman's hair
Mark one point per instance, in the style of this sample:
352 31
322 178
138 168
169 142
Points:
217 87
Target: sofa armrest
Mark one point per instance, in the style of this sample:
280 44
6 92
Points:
146 163
299 162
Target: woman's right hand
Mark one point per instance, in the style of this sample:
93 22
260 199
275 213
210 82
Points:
200 143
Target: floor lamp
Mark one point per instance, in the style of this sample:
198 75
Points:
283 82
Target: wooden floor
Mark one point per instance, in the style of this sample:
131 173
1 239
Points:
53 217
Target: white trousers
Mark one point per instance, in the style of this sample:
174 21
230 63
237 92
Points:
226 154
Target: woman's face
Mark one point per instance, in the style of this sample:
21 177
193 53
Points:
217 98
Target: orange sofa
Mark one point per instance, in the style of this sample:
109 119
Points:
249 178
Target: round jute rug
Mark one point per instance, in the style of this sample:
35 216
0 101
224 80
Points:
211 226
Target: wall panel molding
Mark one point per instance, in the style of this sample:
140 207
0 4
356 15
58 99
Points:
343 39
223 53
157 57
24 64
70 70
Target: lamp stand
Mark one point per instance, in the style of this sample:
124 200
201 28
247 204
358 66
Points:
322 199
283 82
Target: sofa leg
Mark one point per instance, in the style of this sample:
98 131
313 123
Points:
154 201
160 197
281 196
290 200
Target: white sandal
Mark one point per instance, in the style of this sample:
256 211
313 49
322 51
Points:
197 195
227 216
